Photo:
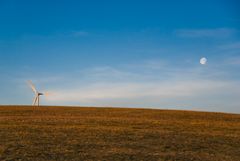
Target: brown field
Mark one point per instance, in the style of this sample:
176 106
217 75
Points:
70 133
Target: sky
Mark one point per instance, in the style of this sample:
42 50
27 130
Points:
122 53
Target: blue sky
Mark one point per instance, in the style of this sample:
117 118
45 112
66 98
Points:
122 53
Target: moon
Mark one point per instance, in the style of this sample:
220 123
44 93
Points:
203 61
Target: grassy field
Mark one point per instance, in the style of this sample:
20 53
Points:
70 133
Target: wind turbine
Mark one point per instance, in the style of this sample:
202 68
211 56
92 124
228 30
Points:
36 99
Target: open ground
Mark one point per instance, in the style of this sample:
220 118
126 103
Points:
88 133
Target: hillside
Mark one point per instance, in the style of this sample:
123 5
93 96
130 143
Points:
70 133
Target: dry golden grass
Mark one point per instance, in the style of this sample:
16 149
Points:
70 133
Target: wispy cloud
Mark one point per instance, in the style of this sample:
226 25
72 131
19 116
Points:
233 61
79 33
133 90
109 86
230 46
106 73
217 32
232 50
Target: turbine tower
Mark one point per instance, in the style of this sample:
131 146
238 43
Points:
36 99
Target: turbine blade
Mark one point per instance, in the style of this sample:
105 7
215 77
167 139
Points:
47 94
35 100
38 100
32 86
